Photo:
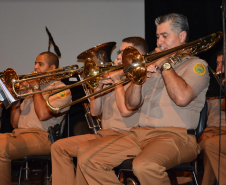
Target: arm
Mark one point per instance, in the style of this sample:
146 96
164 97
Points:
133 96
182 90
120 94
42 111
96 101
15 110
178 90
15 115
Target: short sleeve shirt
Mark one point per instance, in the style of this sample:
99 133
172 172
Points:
28 117
111 116
158 110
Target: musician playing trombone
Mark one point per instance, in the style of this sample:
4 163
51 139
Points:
209 141
170 103
31 119
116 122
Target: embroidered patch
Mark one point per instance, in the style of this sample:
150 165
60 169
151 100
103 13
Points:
62 94
199 69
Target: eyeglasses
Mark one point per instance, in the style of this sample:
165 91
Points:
119 52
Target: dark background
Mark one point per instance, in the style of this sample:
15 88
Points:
204 18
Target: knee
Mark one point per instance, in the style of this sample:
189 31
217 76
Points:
83 147
138 165
208 144
56 147
88 159
82 157
141 166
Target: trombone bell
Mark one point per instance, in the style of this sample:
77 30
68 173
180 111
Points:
90 70
134 65
101 53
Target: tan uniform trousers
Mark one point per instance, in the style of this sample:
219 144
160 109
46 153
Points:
209 142
63 151
20 143
156 150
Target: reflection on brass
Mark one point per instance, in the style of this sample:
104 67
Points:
134 65
220 77
13 81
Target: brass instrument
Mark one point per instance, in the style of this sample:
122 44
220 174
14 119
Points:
101 54
134 64
12 81
219 76
97 60
94 122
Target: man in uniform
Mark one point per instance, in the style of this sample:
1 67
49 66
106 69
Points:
31 120
209 141
115 122
170 103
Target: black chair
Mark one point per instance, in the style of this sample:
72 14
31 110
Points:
41 158
126 166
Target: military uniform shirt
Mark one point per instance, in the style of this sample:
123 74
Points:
159 110
111 116
28 117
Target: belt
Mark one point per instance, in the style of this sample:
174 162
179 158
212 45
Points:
191 132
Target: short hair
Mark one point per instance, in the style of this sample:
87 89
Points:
219 53
179 22
52 58
138 42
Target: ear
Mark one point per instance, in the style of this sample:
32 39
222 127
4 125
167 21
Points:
52 67
183 36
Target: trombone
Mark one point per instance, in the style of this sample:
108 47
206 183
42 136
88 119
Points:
12 81
134 64
219 78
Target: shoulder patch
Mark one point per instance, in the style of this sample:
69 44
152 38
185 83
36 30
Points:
62 94
199 69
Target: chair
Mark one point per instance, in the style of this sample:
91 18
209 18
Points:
126 166
41 158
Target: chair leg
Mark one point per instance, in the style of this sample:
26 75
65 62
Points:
26 171
119 173
42 179
20 175
47 173
195 177
124 178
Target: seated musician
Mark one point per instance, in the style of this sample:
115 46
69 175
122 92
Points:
31 120
170 103
209 141
116 121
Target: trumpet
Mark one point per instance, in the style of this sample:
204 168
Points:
134 64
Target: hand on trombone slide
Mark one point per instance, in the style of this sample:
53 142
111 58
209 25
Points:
117 62
104 81
152 68
109 79
115 76
28 86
